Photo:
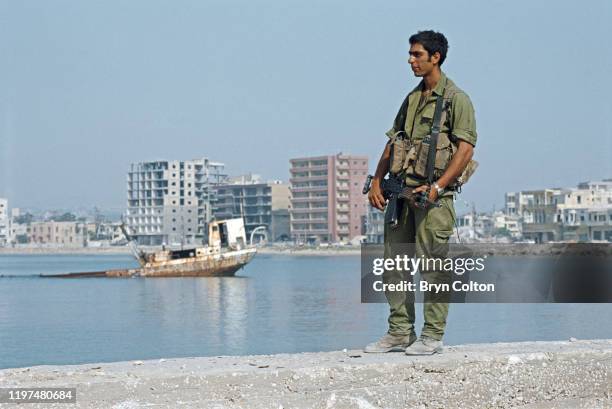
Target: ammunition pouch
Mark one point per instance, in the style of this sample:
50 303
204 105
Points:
417 160
415 163
399 149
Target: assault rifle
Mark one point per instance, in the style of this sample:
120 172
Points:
393 188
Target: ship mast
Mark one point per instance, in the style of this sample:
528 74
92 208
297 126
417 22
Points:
139 255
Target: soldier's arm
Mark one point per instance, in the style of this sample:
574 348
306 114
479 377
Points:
375 196
458 162
463 123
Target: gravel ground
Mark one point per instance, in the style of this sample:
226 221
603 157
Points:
534 375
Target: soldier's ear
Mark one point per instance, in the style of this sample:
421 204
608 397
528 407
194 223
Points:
435 57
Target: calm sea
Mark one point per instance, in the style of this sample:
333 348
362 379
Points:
276 304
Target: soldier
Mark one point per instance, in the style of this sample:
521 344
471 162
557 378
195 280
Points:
436 98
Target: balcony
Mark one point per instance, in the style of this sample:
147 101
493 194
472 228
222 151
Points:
307 178
309 210
309 189
317 199
309 231
300 199
296 169
318 220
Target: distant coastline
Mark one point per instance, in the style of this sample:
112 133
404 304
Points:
63 250
349 251
514 249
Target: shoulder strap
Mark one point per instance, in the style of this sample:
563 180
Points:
433 142
448 95
400 119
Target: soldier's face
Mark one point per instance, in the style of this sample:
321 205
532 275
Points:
420 61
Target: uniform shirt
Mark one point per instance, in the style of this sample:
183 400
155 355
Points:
461 122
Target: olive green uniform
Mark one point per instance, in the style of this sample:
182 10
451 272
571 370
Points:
430 229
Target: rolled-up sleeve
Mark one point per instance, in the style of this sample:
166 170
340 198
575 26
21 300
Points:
463 118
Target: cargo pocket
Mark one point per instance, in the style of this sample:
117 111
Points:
441 220
399 146
439 247
411 157
443 236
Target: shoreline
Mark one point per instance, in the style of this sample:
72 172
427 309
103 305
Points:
484 249
536 375
126 250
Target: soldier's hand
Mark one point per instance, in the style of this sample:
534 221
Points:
433 195
422 188
375 195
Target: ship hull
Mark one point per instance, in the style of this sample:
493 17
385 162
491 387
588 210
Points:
224 265
215 265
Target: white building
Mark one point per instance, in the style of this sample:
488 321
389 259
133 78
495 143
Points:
583 213
375 226
5 232
169 202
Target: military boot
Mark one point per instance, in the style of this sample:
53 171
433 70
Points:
390 342
425 346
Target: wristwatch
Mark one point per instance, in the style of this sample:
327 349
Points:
439 189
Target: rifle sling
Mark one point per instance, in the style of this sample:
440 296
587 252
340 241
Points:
433 142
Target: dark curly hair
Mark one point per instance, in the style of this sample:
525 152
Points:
432 42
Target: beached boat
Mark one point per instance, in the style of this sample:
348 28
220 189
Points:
226 253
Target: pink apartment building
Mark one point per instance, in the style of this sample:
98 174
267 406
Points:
326 200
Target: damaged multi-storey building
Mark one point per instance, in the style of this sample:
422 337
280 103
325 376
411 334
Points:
169 202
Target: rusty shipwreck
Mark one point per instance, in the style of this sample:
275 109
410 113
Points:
226 253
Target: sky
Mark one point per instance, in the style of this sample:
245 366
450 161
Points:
88 87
